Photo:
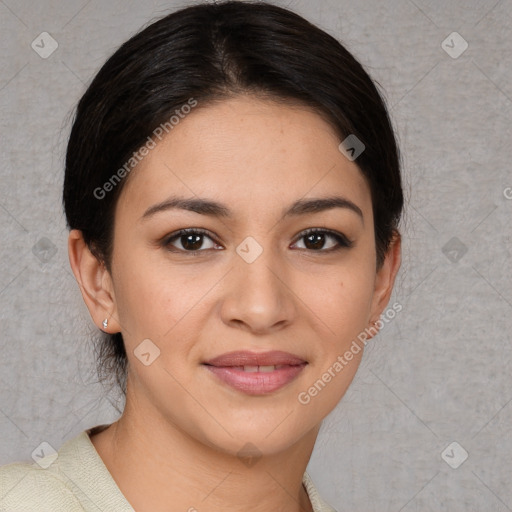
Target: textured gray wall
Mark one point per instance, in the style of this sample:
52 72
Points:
439 373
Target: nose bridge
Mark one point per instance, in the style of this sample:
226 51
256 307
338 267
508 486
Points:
257 296
258 268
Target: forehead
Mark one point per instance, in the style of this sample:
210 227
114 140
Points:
249 152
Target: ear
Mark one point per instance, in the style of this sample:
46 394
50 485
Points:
95 283
385 280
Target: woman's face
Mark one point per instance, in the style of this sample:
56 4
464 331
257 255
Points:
250 176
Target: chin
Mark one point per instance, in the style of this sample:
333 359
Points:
262 438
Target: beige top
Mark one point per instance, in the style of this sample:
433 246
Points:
77 480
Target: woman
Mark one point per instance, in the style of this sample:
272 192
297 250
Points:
233 193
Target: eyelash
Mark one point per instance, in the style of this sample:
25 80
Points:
342 241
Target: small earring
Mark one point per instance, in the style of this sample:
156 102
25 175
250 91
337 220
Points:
105 323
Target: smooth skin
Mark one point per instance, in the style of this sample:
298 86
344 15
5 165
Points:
175 446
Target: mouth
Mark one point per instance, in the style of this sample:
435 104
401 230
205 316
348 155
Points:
255 373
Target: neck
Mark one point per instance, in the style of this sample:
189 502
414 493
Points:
155 464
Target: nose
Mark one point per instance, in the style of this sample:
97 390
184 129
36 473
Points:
258 296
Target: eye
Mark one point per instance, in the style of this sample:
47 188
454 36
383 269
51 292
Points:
195 240
190 240
323 240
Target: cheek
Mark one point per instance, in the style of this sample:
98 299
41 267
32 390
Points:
141 295
154 297
343 299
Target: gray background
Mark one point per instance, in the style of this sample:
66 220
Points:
439 372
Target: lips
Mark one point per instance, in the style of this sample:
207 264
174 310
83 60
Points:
256 373
245 358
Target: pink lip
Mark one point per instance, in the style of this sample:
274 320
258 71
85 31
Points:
246 358
229 368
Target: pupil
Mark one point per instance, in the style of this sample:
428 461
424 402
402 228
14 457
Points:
191 242
317 240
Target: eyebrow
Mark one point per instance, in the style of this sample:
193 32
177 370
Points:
215 209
